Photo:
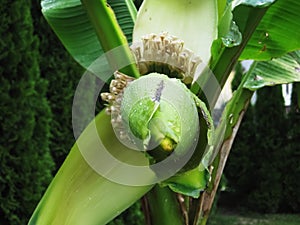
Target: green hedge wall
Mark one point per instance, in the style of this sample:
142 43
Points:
291 160
263 166
63 75
268 150
25 116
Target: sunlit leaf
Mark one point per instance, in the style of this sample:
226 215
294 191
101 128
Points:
278 32
254 3
277 71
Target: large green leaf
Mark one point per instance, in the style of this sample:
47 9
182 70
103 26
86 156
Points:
278 32
277 71
71 24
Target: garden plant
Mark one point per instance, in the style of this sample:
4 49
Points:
166 65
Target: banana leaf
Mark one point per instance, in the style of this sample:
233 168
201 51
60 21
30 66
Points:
285 69
71 24
277 34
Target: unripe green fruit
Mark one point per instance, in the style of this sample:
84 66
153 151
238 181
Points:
160 111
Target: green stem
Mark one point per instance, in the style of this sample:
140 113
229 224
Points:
164 207
80 195
247 19
203 221
230 122
111 36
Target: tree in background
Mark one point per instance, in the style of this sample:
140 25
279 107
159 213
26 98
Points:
254 169
238 170
291 156
63 75
268 153
25 159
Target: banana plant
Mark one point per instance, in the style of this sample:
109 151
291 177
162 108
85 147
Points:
156 136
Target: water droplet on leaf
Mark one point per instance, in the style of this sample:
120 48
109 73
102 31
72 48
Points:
231 118
234 36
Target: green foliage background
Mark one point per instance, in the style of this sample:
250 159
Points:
25 117
290 164
63 75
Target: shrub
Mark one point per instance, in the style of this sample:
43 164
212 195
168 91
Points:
291 167
25 159
254 168
63 75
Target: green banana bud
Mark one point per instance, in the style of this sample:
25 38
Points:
142 115
160 116
157 109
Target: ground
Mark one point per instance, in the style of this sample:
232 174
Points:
225 217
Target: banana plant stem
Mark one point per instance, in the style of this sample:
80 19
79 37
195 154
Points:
80 195
221 68
111 36
230 121
164 207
